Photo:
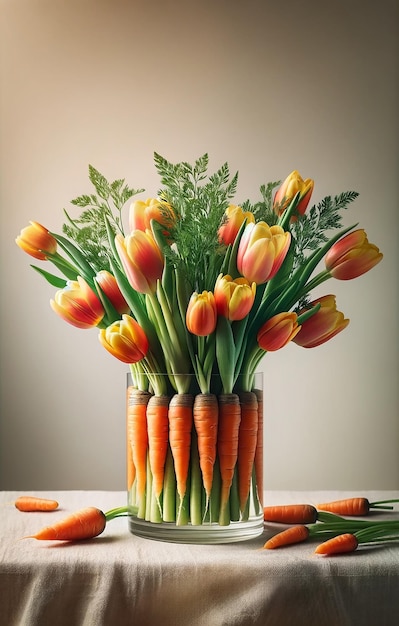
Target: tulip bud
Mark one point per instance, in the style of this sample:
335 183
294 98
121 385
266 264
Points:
262 251
234 298
125 340
141 259
352 256
141 213
36 241
233 220
78 305
323 325
278 331
288 190
201 315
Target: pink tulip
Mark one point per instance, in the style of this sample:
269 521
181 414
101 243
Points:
352 256
125 340
78 305
141 259
262 251
323 325
278 331
234 298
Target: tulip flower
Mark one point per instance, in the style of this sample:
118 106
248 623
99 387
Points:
142 212
262 251
141 259
36 241
201 314
78 305
125 340
288 190
352 256
233 220
234 298
323 325
109 286
278 331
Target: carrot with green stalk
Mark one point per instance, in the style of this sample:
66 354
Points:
354 506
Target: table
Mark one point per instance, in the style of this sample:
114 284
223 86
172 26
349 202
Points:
120 579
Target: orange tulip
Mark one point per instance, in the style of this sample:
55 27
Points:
142 212
288 190
36 241
278 331
201 314
352 256
125 340
262 251
323 325
234 298
78 305
141 259
233 220
109 286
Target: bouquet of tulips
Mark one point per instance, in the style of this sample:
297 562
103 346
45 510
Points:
192 295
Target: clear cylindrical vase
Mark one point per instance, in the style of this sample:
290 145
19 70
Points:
195 463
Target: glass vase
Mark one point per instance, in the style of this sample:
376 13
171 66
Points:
195 463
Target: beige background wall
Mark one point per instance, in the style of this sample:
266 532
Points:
269 87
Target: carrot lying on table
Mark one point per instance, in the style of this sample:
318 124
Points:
32 503
83 524
338 545
353 506
290 514
294 534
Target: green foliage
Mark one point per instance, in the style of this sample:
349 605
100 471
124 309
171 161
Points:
199 201
89 230
263 210
310 230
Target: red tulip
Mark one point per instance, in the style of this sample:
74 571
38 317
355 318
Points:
78 305
323 325
352 256
278 331
36 241
141 259
234 298
262 251
109 286
201 315
125 340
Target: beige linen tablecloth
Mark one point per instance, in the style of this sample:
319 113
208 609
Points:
119 579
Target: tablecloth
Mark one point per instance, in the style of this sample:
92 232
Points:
120 579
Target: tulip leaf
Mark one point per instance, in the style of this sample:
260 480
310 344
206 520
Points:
55 281
225 353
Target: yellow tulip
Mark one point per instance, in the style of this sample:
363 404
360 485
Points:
323 325
233 220
36 240
278 331
125 340
141 259
201 314
288 190
234 298
352 256
78 305
262 251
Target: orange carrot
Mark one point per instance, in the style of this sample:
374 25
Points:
247 440
290 514
31 503
259 446
83 524
180 424
158 427
294 534
353 506
137 435
227 444
206 413
339 544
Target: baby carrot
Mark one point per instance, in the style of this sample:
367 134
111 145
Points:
248 437
83 524
290 514
347 542
353 506
31 503
294 534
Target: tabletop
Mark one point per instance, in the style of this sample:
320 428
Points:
118 578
